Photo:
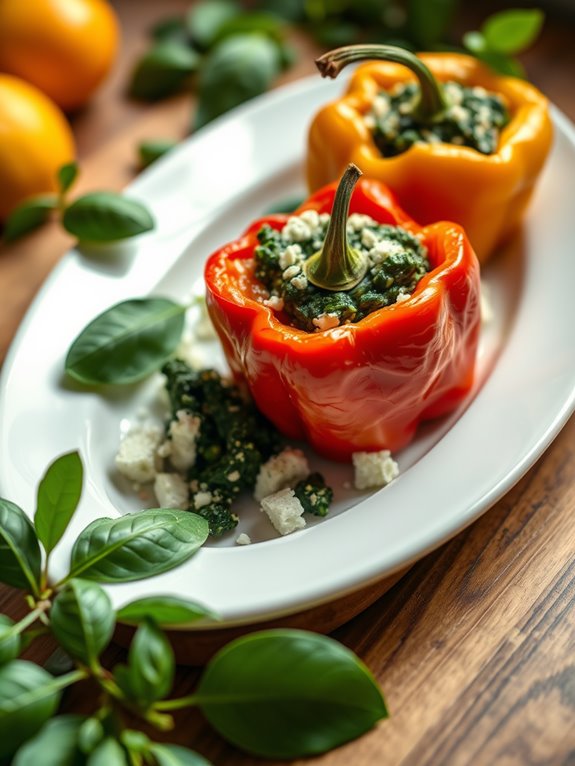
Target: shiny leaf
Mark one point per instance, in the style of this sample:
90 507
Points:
106 217
58 497
238 68
28 698
207 17
174 755
82 620
288 694
164 610
512 31
126 342
56 744
137 545
10 646
108 753
28 216
149 674
67 174
163 70
20 557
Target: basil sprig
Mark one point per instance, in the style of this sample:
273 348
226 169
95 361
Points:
99 217
126 342
280 693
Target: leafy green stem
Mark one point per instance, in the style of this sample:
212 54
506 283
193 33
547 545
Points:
29 619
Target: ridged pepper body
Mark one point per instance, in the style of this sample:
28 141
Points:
365 385
486 194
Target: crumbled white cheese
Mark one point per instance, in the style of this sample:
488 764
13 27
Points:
137 457
291 272
243 539
171 491
296 230
453 93
284 511
479 91
184 432
383 249
374 469
368 238
275 303
358 221
402 297
311 217
300 282
326 321
458 113
380 106
292 254
280 471
202 499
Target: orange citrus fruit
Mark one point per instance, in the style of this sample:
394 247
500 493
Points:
35 140
64 47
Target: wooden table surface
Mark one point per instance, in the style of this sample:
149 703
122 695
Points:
475 646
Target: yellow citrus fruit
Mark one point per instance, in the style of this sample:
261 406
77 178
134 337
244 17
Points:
64 47
35 140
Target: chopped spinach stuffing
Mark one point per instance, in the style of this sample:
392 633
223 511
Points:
474 119
234 440
397 261
314 495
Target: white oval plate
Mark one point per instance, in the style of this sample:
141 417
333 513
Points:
202 195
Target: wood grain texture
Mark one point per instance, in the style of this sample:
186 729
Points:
475 645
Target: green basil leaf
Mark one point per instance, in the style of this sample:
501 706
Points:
289 10
137 545
151 665
82 620
59 662
126 342
502 64
108 753
10 646
135 741
174 755
429 20
28 698
238 68
172 28
289 694
474 42
106 217
164 610
206 18
28 216
67 174
163 70
150 151
20 557
512 31
246 23
90 735
56 744
58 497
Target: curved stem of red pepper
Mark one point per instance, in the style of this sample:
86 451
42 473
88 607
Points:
337 266
432 101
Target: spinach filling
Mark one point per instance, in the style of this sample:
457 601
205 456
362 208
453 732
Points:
397 261
474 119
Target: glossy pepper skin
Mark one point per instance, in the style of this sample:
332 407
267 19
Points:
362 386
486 194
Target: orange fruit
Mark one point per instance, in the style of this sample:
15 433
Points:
64 47
35 140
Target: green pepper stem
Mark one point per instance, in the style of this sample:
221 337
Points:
337 266
432 101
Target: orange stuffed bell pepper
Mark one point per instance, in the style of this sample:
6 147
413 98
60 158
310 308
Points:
349 328
453 140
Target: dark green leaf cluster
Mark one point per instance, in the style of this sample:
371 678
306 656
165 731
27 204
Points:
228 55
233 442
97 217
254 691
314 494
476 123
397 274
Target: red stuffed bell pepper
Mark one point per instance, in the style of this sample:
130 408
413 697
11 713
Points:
354 376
